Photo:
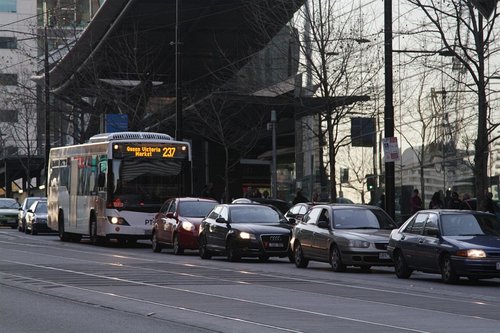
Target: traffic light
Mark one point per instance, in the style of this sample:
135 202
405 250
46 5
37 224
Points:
370 182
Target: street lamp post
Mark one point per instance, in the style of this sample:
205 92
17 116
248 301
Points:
390 190
47 102
274 175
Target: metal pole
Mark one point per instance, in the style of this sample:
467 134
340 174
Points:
47 106
389 108
178 73
274 175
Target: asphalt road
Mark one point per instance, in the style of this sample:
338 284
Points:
50 286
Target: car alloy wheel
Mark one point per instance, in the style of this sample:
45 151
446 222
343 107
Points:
204 253
448 274
155 245
400 267
336 260
177 246
232 251
300 260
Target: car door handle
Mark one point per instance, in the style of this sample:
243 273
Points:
421 241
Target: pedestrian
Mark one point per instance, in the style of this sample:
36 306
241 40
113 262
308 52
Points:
489 205
436 202
455 202
465 201
315 197
447 199
299 197
415 202
265 194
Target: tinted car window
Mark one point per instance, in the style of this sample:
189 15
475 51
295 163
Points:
431 226
195 208
361 219
312 216
418 224
470 225
252 215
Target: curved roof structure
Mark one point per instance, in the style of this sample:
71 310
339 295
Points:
134 41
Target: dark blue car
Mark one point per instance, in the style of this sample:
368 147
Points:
453 243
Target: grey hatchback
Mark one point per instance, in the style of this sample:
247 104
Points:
343 235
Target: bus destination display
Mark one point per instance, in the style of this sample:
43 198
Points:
145 150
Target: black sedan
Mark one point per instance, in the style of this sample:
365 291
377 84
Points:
453 243
244 230
343 235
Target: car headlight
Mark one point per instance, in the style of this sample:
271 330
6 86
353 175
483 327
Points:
188 226
473 253
246 235
358 243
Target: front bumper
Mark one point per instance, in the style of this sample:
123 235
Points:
264 246
10 221
361 257
487 267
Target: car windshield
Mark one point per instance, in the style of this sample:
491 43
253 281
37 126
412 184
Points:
195 208
254 214
362 219
6 203
470 225
41 207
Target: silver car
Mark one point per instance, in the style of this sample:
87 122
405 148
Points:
343 235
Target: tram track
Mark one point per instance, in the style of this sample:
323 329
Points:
185 281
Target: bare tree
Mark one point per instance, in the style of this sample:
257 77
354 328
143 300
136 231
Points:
469 37
232 126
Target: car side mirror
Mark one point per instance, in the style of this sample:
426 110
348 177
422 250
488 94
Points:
220 220
292 220
29 211
170 215
323 224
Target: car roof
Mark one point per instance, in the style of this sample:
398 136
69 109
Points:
193 199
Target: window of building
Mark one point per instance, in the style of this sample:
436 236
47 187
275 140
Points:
8 79
8 6
8 116
8 42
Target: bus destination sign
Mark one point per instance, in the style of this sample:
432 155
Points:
150 150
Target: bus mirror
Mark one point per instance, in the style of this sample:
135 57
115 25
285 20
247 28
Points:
101 180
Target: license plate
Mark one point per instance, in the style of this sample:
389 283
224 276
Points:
498 265
275 245
384 256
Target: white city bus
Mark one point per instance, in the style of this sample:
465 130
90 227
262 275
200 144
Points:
111 187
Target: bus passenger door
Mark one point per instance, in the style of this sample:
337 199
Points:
73 190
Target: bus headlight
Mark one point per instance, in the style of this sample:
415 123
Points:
117 220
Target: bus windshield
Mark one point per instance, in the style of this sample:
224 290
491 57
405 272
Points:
143 185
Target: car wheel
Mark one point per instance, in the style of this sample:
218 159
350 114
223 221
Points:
177 246
155 245
232 252
336 260
400 267
204 252
299 259
448 274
